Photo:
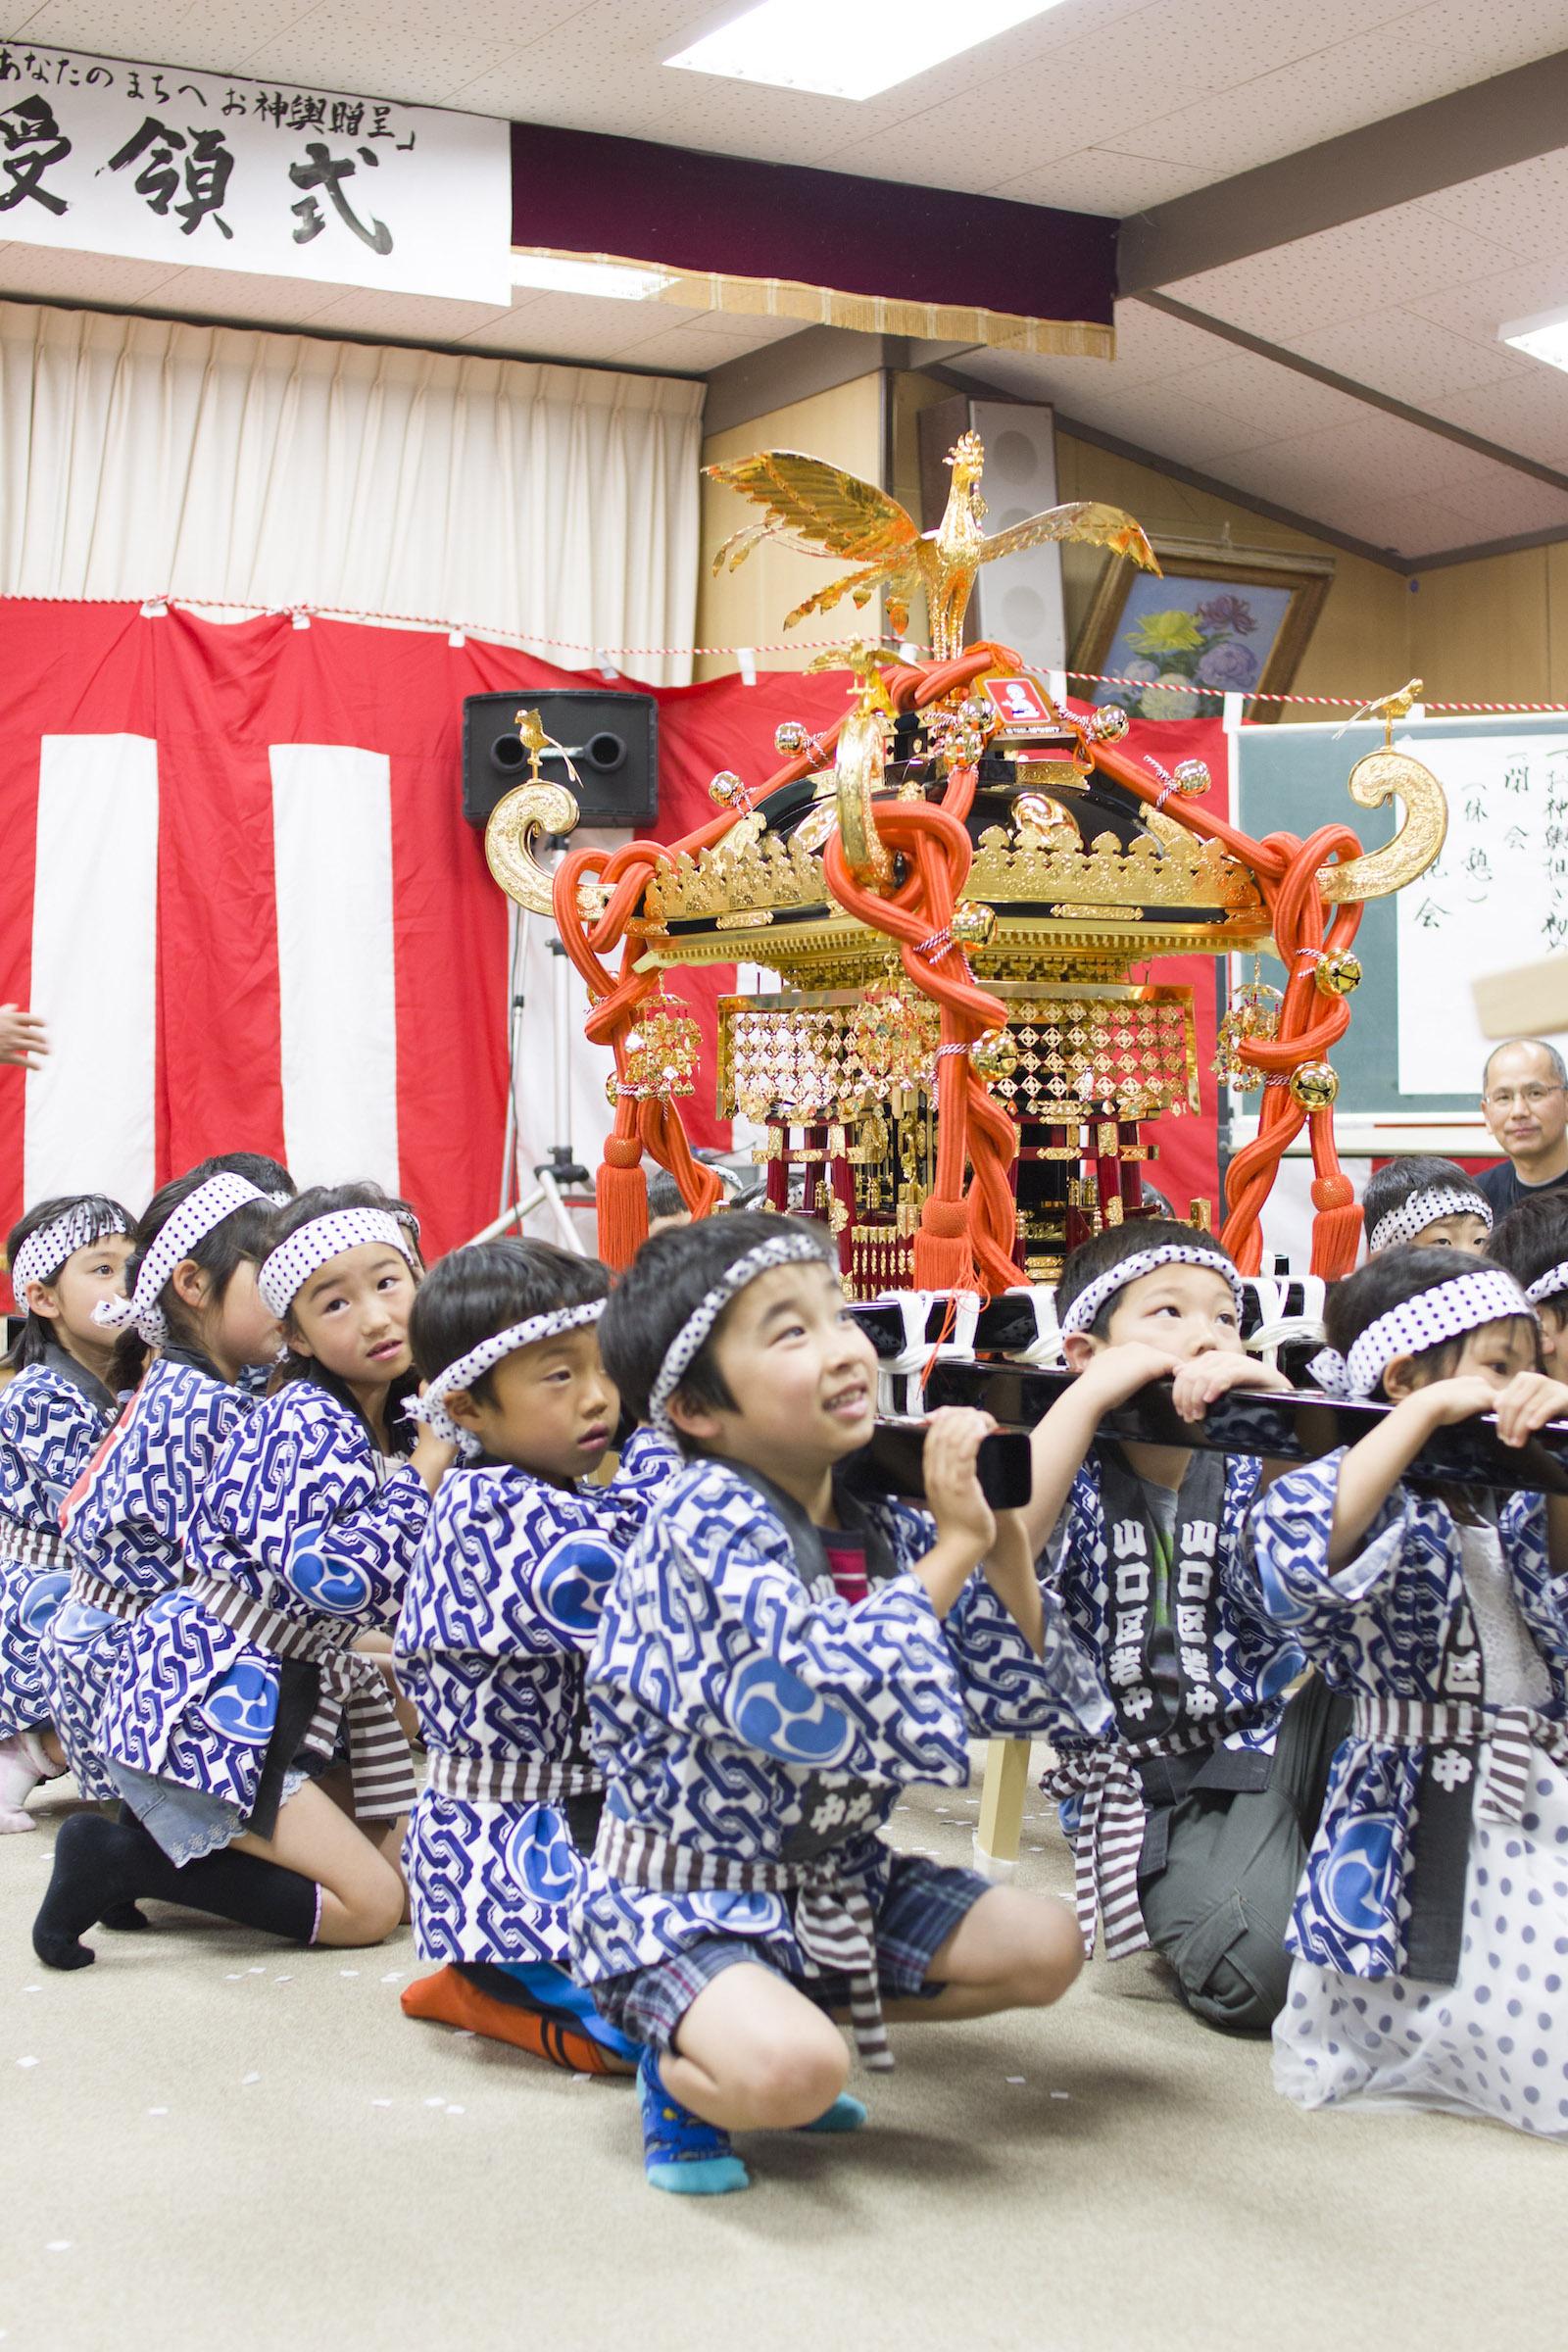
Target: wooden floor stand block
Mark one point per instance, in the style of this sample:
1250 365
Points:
1001 1797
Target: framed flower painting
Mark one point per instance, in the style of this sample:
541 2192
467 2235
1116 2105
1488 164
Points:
1215 622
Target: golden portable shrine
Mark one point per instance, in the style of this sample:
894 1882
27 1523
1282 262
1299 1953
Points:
956 886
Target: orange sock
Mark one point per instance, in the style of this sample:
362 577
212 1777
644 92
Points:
449 1999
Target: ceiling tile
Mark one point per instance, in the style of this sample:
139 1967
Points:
1407 357
1478 308
1274 400
1524 208
43 271
1525 415
403 318
1403 256
1098 179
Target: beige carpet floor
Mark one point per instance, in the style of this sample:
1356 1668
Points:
212 2141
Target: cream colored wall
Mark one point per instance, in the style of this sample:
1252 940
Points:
748 607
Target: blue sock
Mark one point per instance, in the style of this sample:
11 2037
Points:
846 2114
680 2152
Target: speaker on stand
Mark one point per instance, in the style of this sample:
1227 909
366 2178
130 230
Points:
604 750
1019 601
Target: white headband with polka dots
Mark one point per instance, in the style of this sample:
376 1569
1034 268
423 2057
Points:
1549 1285
1080 1316
431 1408
784 1250
1403 1223
292 1263
1444 1312
191 1222
43 1253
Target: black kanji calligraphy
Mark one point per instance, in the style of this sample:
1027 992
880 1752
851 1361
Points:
33 144
204 168
327 172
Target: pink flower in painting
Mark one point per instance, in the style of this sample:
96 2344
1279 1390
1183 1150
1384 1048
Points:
1231 612
1228 667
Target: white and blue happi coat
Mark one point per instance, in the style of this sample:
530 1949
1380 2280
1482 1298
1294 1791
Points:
1230 1663
301 1513
52 1415
742 1713
502 1608
124 1523
1384 1878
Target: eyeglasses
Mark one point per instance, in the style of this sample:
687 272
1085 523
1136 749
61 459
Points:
1532 1097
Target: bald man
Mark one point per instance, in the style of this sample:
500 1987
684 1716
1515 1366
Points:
1524 1099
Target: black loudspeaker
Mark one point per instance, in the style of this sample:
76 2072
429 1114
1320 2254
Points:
612 740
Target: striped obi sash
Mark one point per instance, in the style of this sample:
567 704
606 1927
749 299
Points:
835 1925
353 1685
1110 1832
1455 1724
113 1600
510 1779
32 1546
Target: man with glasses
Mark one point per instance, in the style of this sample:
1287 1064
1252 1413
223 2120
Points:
1524 1099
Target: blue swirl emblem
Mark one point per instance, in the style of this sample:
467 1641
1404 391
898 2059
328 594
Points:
1356 1877
76 1626
741 1914
541 1858
570 1585
337 1587
773 1710
41 1603
243 1706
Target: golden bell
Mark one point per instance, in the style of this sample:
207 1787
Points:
994 1056
726 788
1336 975
612 1090
790 738
1109 723
1314 1085
973 923
1191 777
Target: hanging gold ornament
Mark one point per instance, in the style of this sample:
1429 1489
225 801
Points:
1191 777
994 1056
726 789
893 1039
790 738
973 923
1336 975
1109 723
1314 1085
661 1053
1253 1018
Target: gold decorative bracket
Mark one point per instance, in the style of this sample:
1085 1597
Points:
1379 777
513 833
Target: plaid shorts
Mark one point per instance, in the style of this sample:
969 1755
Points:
924 1903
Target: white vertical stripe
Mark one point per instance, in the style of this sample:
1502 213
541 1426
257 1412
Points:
90 1123
332 846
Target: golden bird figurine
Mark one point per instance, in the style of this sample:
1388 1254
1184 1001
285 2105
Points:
817 510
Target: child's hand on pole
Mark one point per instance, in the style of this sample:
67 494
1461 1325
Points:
951 1479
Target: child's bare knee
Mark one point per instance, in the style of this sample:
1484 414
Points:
786 2084
374 1907
1053 1955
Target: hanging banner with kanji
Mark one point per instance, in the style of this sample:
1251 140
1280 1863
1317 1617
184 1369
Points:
168 165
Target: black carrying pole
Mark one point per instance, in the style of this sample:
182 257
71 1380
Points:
1293 1428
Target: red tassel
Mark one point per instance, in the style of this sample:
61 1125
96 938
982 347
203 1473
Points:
1337 1227
623 1198
943 1257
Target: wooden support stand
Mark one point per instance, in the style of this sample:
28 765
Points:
1003 1791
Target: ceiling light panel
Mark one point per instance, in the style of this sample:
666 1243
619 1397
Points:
849 48
1542 337
618 281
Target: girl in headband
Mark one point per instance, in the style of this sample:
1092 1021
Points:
1425 1971
1190 1815
1424 1203
64 1256
193 1300
231 1695
501 1611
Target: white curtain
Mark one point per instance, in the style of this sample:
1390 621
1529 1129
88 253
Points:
554 505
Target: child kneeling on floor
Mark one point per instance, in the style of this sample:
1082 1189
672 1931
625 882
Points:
1432 1925
1192 1815
501 1609
776 1660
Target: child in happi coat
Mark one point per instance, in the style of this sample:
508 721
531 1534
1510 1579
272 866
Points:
1192 1814
64 1255
229 1694
1432 1928
1532 1242
192 1276
1424 1203
776 1661
501 1611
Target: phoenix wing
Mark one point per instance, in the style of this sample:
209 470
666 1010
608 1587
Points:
1085 519
813 509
